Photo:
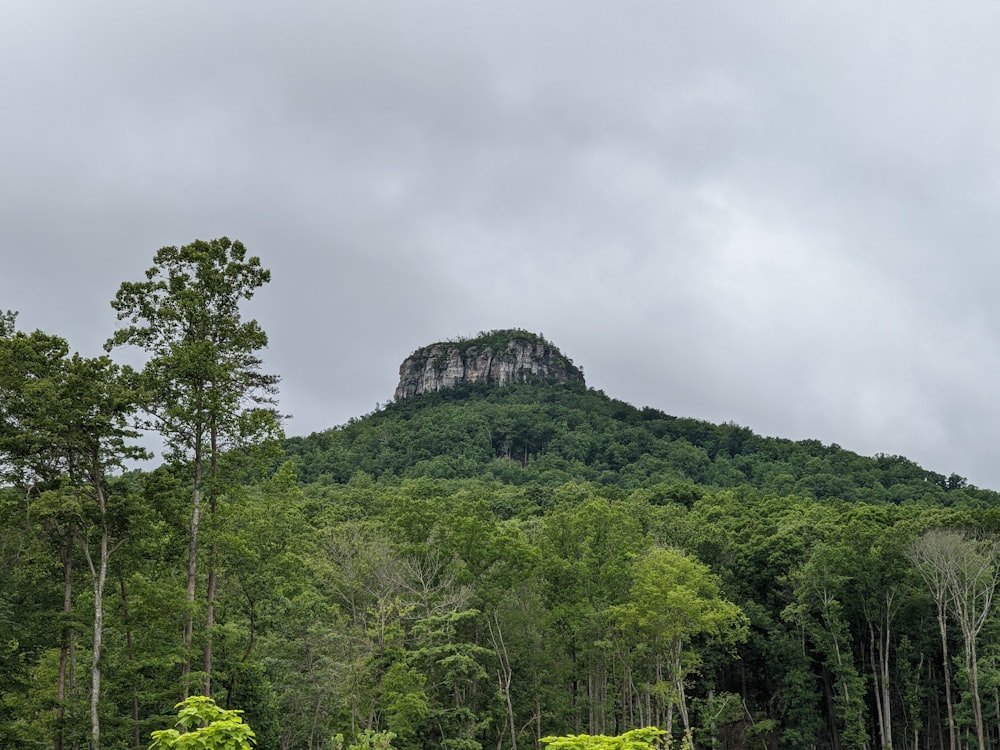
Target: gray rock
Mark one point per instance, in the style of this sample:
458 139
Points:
495 358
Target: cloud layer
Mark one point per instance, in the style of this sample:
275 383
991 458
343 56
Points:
780 215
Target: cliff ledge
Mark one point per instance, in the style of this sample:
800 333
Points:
495 358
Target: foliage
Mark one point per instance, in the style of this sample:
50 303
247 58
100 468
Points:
478 567
366 740
203 365
201 388
205 726
530 434
636 739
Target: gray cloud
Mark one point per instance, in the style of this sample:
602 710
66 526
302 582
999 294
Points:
781 215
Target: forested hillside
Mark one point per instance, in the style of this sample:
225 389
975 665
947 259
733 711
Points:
476 567
551 434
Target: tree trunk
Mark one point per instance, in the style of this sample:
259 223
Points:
210 606
95 668
873 661
831 704
972 665
505 674
130 654
879 638
212 558
72 675
192 571
884 642
98 576
65 645
946 664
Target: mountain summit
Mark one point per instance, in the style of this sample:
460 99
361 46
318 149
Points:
494 358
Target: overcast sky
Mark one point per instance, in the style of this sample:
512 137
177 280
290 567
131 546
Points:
783 214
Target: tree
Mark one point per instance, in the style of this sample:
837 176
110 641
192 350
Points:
962 570
674 599
367 739
929 554
587 545
819 612
64 419
96 406
205 727
202 387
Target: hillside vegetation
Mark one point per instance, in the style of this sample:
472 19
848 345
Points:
552 434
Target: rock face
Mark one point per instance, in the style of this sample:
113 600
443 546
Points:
494 358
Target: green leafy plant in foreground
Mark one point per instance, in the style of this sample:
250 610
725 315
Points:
205 726
637 739
368 739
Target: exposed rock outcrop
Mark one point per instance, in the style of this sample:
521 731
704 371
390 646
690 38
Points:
494 358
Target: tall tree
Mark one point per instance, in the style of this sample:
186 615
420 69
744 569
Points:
65 418
929 554
675 599
94 408
202 387
962 570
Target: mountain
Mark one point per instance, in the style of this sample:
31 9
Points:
508 406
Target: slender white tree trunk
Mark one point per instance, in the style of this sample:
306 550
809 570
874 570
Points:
192 573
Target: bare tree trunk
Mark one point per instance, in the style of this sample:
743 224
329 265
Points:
884 642
930 555
880 638
873 660
971 571
669 703
72 676
192 570
212 559
99 576
210 608
130 654
972 666
505 674
946 662
65 645
538 719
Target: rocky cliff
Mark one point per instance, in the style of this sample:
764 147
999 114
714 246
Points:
494 358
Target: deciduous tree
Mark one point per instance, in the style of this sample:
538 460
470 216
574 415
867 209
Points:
673 600
205 726
202 387
63 419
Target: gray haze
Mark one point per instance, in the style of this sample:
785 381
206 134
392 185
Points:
780 214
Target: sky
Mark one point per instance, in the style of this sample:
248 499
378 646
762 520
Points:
780 214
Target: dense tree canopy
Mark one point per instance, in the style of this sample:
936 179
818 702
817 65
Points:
477 567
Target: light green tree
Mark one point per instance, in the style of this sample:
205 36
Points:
367 739
646 738
675 599
205 726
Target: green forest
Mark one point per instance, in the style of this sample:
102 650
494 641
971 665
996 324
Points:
475 568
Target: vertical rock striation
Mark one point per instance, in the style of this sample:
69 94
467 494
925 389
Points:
494 358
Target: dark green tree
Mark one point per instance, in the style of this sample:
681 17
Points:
63 426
